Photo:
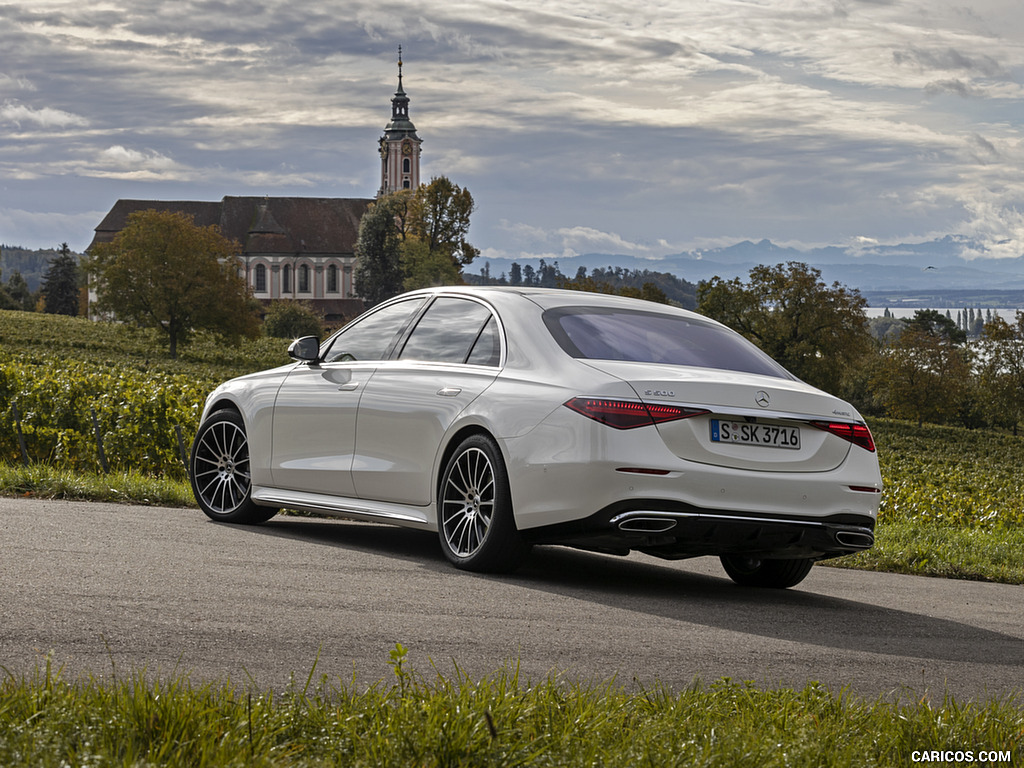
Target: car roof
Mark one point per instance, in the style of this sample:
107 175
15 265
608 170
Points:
549 298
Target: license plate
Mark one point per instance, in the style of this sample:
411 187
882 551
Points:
745 433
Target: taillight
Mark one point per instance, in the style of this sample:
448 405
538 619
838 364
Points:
629 414
858 434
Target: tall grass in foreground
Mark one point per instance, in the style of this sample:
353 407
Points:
498 721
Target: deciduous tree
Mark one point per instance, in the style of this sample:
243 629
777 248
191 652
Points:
292 320
1001 352
815 330
923 376
423 269
162 271
439 217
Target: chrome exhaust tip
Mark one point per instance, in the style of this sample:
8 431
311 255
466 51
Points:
855 539
647 525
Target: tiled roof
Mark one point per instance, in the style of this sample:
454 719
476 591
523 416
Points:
270 225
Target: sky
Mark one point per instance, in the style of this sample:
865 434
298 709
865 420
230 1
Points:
579 126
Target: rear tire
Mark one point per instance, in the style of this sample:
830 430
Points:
777 574
474 510
219 471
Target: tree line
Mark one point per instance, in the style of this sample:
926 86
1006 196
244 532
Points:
662 287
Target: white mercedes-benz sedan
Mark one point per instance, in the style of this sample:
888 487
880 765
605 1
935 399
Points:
506 417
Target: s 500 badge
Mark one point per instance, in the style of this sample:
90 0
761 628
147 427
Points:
659 393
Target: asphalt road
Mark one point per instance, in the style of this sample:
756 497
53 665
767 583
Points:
108 589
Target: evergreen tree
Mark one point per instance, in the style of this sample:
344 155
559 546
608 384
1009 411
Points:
378 274
933 323
20 294
60 284
6 302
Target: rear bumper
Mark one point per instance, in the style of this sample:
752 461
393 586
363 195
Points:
673 531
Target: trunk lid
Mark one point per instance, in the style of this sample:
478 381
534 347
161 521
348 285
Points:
754 422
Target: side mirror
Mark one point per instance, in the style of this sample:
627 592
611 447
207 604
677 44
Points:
305 350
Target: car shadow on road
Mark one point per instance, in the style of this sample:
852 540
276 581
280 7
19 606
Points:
668 591
798 615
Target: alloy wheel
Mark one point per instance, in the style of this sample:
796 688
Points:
467 502
221 467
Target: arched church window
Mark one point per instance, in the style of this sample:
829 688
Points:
304 278
332 278
261 278
406 165
286 279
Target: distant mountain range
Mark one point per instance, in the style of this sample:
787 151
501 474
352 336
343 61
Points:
907 273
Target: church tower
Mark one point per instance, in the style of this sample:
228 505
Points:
399 146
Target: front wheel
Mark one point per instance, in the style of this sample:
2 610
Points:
779 574
474 508
219 471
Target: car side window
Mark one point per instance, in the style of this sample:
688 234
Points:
372 337
487 349
448 331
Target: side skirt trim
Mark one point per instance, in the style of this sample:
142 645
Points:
357 509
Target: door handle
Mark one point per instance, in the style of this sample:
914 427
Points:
348 386
449 391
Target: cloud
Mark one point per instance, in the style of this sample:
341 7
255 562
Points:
586 238
601 126
47 117
122 157
998 228
950 59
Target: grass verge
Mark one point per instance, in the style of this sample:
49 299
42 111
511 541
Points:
923 548
48 482
498 721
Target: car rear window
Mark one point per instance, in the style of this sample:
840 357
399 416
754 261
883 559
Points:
597 333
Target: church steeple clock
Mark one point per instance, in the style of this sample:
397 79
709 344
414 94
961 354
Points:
399 146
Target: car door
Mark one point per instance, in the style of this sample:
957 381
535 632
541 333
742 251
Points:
453 355
314 425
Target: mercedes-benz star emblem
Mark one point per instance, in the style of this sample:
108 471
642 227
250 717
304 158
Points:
762 399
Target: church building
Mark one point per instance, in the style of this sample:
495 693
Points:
298 247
